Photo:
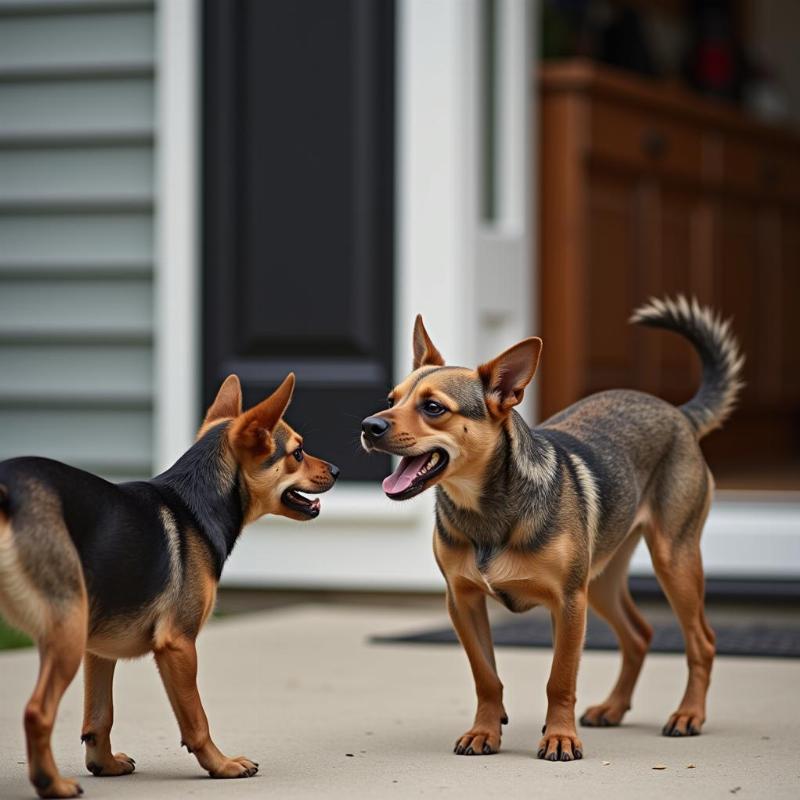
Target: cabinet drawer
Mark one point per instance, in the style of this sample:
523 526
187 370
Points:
757 168
645 142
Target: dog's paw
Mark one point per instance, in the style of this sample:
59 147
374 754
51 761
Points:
238 767
118 764
605 715
478 741
558 745
59 787
684 722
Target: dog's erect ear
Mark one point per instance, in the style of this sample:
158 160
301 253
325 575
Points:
505 377
424 351
228 402
252 431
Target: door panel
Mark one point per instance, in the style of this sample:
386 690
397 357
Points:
298 216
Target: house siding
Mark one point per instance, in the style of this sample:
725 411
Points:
77 133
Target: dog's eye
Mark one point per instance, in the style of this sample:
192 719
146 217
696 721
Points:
432 408
389 402
298 454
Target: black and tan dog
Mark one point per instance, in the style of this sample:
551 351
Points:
101 571
552 515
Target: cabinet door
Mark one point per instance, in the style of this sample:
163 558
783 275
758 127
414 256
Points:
756 284
613 218
788 335
675 258
646 238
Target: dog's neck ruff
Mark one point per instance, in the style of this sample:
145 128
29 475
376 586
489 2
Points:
519 489
211 492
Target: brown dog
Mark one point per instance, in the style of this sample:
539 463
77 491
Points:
552 515
101 571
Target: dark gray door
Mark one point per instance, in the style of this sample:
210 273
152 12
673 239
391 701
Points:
298 217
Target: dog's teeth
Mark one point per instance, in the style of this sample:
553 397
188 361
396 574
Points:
434 460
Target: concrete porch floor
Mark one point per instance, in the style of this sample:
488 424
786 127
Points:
326 714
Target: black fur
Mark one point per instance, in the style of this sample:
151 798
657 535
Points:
194 487
117 529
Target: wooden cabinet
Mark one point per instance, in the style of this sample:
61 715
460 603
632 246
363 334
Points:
645 191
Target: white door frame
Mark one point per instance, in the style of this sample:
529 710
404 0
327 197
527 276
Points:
471 279
177 273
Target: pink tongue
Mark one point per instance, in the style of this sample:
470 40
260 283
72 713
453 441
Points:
404 475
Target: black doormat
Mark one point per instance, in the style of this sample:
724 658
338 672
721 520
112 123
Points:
732 640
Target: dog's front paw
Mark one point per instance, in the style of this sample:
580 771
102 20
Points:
118 764
479 740
239 767
684 722
560 745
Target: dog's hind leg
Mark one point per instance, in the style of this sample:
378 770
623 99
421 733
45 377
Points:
610 599
675 549
98 717
467 609
60 653
42 592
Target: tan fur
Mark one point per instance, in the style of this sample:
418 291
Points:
20 602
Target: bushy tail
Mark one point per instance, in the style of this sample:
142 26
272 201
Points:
718 350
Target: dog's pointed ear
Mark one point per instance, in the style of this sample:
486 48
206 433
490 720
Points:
425 353
505 377
252 431
228 402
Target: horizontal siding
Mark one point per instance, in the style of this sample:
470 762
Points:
76 232
55 374
64 307
76 238
92 172
109 441
74 40
53 106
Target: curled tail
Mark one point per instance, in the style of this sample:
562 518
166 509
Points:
718 351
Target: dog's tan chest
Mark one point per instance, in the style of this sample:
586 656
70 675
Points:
518 579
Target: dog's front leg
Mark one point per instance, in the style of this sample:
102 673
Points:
98 717
177 663
467 608
560 741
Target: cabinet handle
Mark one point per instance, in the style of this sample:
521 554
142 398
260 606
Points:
654 143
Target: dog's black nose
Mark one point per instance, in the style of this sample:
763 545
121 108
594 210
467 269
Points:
334 470
374 427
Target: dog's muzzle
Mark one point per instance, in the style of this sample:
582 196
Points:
374 428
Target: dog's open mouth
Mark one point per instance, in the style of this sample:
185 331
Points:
413 474
297 502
